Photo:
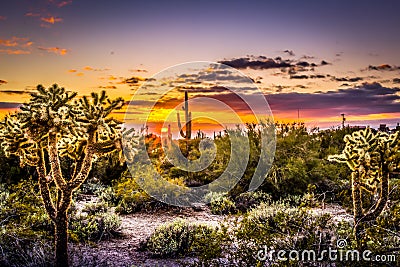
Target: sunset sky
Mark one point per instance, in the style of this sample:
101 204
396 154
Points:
322 58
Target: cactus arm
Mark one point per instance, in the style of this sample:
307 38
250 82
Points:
44 187
55 161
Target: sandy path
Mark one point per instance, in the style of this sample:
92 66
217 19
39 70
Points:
135 228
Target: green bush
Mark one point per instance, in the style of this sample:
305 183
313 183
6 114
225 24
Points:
248 200
220 203
281 228
91 208
22 211
181 238
289 201
94 223
91 186
26 229
130 198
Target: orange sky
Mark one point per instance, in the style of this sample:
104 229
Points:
332 59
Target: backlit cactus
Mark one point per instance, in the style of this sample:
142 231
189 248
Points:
51 126
371 157
188 120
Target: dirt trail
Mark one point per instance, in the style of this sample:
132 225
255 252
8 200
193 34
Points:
338 212
135 228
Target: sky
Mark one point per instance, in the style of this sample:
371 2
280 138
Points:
312 59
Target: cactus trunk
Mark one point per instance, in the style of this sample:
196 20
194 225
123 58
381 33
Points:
188 120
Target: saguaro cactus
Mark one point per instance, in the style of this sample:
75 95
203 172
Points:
188 119
371 158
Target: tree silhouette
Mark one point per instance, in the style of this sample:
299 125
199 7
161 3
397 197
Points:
53 125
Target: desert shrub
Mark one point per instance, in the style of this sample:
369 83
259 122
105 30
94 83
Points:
91 208
289 201
245 201
92 186
108 195
281 228
383 236
377 239
25 233
220 203
93 223
22 211
26 252
181 238
309 199
129 197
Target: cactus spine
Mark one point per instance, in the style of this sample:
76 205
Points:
188 119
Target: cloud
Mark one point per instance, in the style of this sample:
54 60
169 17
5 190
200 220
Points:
15 42
27 90
76 72
31 14
289 52
55 50
112 78
263 63
89 68
3 82
347 79
59 4
13 92
133 81
307 57
14 52
305 64
51 20
108 87
316 76
64 3
212 75
383 67
2 18
257 63
396 80
368 98
202 89
279 88
298 76
138 70
9 105
15 46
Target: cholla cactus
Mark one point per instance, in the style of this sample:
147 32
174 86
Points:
50 123
188 119
371 158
